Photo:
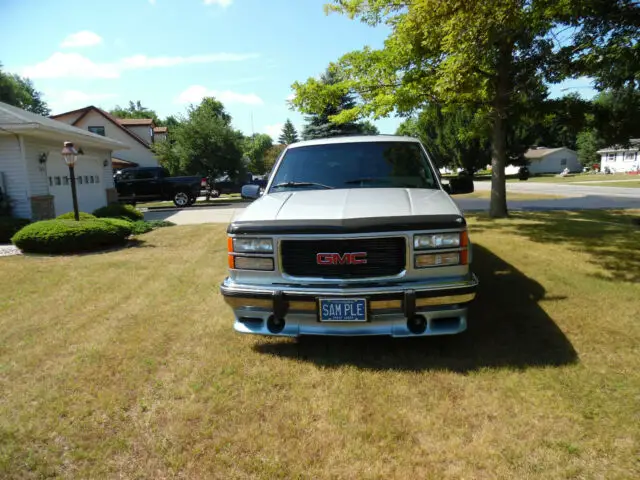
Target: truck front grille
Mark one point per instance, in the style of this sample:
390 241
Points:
384 257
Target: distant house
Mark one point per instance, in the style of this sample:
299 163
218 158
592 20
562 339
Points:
138 133
552 160
34 175
621 159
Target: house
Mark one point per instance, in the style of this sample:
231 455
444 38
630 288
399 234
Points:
35 177
621 159
136 133
552 160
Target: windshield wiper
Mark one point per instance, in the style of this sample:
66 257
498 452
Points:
301 184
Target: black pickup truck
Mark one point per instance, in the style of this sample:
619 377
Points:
144 184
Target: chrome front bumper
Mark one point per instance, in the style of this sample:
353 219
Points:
393 309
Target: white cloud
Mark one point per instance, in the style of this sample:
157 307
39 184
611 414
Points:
222 3
291 97
195 93
63 101
70 65
273 130
85 38
74 65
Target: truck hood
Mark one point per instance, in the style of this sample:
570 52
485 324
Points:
363 207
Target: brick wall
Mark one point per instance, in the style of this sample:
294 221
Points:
42 207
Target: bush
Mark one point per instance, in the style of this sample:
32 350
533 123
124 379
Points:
143 226
161 223
69 236
70 216
118 210
9 226
125 227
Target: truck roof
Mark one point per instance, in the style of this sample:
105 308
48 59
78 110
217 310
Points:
355 139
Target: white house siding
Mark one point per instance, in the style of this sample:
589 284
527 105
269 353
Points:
553 162
37 172
143 131
620 161
138 153
15 175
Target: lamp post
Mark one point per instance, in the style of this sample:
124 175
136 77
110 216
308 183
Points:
70 155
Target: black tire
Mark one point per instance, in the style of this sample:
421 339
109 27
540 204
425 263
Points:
181 199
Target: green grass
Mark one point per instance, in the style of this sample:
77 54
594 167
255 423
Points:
124 365
626 184
580 177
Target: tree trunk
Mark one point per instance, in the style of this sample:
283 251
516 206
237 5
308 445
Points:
498 206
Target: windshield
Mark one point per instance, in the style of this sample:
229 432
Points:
354 165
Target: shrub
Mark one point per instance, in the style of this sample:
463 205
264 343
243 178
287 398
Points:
70 216
125 227
141 227
69 236
160 223
118 210
9 226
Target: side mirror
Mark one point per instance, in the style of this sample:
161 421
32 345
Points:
461 185
251 191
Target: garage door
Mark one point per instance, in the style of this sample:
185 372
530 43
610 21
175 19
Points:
89 185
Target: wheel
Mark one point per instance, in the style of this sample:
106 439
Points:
215 193
181 199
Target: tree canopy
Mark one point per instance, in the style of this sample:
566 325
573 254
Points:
20 92
255 148
491 58
203 143
135 110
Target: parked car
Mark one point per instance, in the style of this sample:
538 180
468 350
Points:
145 184
352 236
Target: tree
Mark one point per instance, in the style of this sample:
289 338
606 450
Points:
203 143
319 121
588 144
135 110
289 134
254 148
20 92
272 155
490 56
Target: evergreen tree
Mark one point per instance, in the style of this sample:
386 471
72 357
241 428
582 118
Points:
289 134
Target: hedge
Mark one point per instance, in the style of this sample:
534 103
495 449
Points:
125 227
69 236
71 216
9 226
118 210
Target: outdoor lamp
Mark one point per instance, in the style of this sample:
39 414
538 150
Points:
70 156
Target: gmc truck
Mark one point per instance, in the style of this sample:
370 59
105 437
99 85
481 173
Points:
352 236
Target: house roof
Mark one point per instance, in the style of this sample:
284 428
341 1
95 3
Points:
16 120
634 145
160 130
541 152
120 163
106 115
135 121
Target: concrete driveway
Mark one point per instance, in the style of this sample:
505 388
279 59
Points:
195 215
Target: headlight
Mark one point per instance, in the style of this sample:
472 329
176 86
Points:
436 240
253 245
426 260
253 263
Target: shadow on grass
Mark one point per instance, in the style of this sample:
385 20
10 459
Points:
507 328
610 237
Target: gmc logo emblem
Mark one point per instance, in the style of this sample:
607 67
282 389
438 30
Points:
354 258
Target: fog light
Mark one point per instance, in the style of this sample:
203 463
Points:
437 259
253 263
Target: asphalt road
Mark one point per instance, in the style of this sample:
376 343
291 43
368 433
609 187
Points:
578 197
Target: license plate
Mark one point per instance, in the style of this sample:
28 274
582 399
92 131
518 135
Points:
343 310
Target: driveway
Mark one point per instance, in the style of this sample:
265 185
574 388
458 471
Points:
191 216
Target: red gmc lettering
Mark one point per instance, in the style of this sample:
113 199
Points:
355 258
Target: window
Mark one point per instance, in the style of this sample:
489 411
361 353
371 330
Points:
97 130
51 181
144 174
629 156
65 180
356 165
80 180
611 157
563 162
56 180
86 179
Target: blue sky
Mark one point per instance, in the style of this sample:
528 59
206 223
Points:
169 53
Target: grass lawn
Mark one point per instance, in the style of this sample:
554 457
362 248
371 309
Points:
627 184
124 365
583 177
